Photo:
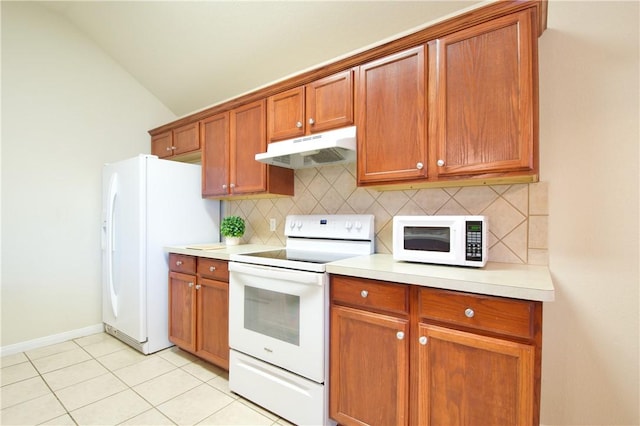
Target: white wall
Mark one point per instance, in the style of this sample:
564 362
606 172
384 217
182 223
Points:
67 108
589 137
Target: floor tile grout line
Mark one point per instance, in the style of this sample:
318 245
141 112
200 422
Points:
67 412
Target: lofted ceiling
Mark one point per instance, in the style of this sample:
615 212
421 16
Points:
194 54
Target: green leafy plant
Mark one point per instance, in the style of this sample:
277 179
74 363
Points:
232 226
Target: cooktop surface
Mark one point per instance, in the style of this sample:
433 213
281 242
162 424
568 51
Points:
300 255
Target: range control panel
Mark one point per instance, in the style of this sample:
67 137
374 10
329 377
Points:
338 226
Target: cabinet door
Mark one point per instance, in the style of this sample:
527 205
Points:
285 113
369 368
248 137
484 108
161 145
329 102
468 379
213 321
390 115
182 308
186 139
214 133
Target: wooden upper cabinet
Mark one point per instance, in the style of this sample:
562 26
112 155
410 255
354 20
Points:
161 144
329 102
248 138
391 118
214 134
186 139
483 92
285 113
230 141
322 105
181 140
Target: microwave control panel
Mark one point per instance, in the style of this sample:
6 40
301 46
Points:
474 240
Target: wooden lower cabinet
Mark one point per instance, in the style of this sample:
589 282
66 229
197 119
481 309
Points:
199 310
452 358
469 379
369 368
182 308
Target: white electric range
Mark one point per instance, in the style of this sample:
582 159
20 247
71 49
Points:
279 315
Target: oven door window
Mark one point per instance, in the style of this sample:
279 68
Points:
272 314
428 238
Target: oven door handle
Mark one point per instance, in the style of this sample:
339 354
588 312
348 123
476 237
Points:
299 277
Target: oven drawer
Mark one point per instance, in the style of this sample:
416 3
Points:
213 268
182 263
370 294
493 314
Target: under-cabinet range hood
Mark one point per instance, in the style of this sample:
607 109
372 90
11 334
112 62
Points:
320 149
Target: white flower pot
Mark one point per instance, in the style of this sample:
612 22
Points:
232 241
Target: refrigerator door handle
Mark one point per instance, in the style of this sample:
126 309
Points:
111 242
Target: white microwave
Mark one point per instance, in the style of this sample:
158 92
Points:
445 240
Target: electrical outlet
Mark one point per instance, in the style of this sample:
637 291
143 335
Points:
272 224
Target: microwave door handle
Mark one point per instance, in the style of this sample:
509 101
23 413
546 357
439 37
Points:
299 277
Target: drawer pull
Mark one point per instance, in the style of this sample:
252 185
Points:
212 268
178 262
423 340
469 313
400 335
198 286
190 285
364 293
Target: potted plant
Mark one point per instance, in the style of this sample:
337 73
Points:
232 228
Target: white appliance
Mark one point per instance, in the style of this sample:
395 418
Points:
147 203
445 240
279 330
319 149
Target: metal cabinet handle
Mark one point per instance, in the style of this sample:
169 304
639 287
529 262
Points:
364 293
233 185
198 287
400 335
212 268
224 186
423 340
469 313
419 166
312 121
299 124
178 262
190 285
168 148
440 163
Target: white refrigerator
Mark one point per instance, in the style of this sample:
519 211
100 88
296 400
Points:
147 204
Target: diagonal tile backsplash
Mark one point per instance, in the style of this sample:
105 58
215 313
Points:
517 213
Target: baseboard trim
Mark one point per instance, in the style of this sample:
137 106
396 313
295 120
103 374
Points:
50 340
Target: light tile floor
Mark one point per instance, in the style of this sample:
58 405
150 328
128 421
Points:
98 380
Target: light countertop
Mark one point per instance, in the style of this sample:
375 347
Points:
529 282
218 250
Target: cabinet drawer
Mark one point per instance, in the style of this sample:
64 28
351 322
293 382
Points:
493 314
182 263
370 294
213 268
